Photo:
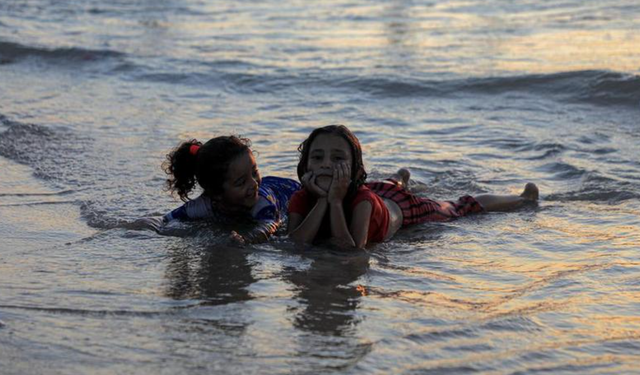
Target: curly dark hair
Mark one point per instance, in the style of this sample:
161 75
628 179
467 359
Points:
358 173
207 167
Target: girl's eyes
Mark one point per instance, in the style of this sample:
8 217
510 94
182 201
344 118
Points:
241 182
333 158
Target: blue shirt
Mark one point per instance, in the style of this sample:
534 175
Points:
273 198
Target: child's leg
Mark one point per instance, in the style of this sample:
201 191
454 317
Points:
492 202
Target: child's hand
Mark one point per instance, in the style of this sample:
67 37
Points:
340 183
308 181
236 239
153 223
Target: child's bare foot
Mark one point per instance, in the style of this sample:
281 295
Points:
530 192
402 176
405 174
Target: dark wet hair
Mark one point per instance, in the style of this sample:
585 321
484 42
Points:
207 167
358 173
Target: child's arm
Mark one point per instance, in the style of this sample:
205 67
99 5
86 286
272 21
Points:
358 232
304 229
340 233
359 226
260 233
155 223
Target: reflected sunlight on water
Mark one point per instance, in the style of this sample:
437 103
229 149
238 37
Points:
551 51
472 96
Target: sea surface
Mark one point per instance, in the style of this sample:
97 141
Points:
473 96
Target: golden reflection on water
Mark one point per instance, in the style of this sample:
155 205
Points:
617 235
614 325
551 51
443 36
362 290
440 36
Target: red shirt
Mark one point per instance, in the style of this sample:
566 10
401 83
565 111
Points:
302 202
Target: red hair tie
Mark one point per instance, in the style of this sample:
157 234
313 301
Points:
193 150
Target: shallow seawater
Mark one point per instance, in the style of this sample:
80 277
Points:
472 97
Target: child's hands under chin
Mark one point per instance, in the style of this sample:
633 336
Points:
308 181
340 183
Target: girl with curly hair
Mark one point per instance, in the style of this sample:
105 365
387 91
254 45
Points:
232 188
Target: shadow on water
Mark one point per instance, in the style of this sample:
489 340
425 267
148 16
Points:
326 292
328 296
213 281
216 275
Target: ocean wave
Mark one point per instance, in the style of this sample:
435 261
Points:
599 189
589 86
72 164
558 170
597 87
53 194
13 52
85 312
608 196
592 86
55 154
542 150
22 141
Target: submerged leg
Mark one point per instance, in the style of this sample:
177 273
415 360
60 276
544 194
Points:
492 202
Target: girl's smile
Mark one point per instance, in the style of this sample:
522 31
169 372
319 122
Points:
326 151
240 187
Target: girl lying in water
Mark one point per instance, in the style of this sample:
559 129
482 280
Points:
233 190
336 202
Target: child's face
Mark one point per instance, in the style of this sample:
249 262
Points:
240 187
325 152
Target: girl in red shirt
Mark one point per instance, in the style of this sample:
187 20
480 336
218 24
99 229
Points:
335 201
